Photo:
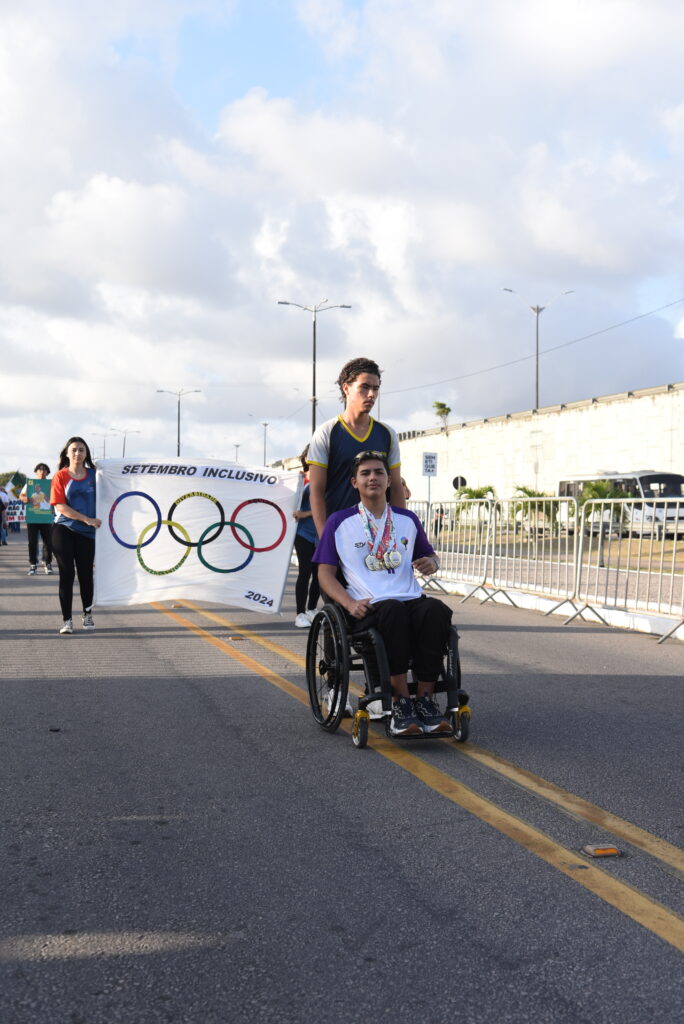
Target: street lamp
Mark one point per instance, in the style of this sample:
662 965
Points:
236 446
265 426
319 307
104 443
125 435
537 310
179 394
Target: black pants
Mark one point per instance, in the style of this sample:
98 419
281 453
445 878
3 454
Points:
44 530
75 553
305 549
417 629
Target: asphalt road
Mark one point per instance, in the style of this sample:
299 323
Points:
181 842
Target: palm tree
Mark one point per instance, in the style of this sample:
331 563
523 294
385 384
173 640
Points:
538 516
442 413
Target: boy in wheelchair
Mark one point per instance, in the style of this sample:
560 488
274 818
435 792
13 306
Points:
377 546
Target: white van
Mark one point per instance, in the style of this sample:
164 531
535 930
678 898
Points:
656 511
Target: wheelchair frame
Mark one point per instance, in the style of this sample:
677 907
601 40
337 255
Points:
334 649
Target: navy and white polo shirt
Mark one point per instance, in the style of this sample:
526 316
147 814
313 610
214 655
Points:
333 447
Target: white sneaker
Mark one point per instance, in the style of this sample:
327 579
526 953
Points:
68 627
348 711
88 621
302 621
374 709
311 614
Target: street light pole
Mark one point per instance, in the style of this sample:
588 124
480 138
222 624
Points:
236 446
125 435
265 425
538 310
104 443
319 307
179 394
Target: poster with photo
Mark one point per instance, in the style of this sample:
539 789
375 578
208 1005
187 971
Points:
38 507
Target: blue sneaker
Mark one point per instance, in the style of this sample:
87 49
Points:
404 721
430 717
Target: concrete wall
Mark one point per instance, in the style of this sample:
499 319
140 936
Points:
637 430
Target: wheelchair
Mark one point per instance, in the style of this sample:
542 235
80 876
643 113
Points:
335 647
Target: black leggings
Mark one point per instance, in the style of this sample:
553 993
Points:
44 530
73 551
305 549
417 629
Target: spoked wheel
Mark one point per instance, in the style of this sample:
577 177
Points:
327 667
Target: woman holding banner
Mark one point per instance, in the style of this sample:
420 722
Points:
73 536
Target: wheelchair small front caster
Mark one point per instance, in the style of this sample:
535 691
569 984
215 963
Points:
461 721
360 728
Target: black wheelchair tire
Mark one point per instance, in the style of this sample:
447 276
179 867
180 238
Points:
360 731
327 667
461 724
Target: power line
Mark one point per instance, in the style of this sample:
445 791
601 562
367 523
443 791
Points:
524 359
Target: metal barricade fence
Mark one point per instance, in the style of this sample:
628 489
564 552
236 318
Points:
624 554
534 547
631 557
460 531
422 510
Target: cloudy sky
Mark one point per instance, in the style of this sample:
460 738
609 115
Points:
171 169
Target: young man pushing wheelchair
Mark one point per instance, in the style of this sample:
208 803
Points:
377 547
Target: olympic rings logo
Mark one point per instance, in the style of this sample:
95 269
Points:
208 536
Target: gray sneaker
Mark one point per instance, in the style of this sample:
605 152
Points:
68 627
48 569
88 621
33 569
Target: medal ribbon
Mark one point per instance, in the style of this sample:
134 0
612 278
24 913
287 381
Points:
381 536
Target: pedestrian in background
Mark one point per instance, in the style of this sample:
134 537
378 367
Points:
34 530
305 542
73 536
4 502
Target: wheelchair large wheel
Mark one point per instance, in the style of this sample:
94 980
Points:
327 667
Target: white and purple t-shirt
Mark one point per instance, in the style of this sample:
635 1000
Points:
345 543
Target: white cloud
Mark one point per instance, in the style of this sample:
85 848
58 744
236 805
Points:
453 149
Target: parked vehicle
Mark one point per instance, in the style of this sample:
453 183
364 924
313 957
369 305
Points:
654 501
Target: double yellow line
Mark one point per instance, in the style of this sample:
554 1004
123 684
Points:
652 915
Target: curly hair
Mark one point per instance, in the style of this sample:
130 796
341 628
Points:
351 370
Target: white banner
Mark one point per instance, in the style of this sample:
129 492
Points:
204 531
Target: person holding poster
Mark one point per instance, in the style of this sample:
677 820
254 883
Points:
38 518
73 536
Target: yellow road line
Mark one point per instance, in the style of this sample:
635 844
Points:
652 915
269 645
240 656
650 844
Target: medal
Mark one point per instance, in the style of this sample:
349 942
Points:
382 542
